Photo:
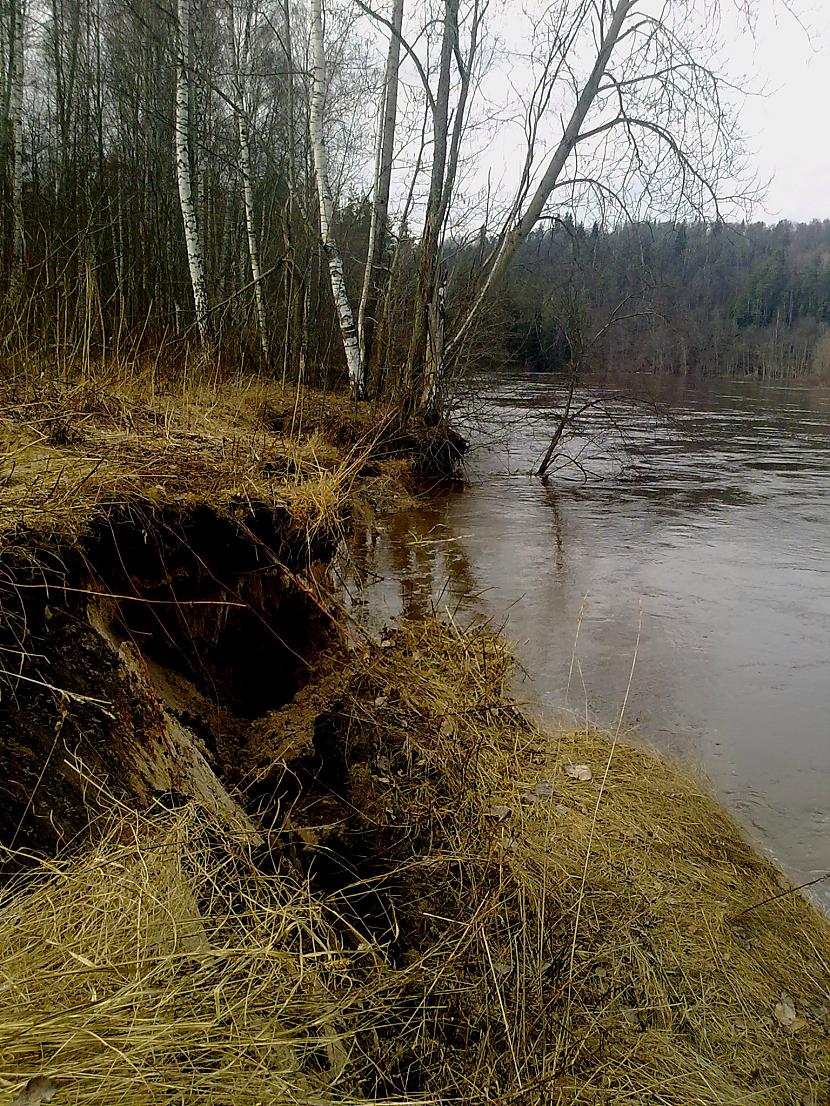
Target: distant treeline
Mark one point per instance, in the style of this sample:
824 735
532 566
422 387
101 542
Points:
745 299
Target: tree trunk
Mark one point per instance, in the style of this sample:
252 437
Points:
436 314
250 226
383 178
560 429
241 53
16 120
195 258
348 331
293 285
514 238
225 246
424 358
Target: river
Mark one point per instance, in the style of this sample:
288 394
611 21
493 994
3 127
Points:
684 550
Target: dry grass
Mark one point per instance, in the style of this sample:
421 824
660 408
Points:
164 967
71 452
526 936
608 942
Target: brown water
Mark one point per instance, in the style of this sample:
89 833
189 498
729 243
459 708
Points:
702 542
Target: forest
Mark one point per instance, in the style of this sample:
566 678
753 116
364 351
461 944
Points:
325 192
713 299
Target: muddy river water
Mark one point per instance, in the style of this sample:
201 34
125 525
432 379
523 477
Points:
688 542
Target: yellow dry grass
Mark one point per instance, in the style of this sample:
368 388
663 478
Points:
71 452
547 938
162 966
612 936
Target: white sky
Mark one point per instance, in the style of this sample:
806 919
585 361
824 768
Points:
789 127
786 117
783 63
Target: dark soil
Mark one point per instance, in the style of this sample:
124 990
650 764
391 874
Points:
134 662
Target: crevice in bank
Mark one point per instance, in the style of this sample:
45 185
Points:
142 655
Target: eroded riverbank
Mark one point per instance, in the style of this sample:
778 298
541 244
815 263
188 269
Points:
440 902
296 864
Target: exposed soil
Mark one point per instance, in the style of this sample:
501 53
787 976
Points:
163 584
430 901
141 654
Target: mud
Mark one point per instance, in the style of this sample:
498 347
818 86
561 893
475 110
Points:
136 660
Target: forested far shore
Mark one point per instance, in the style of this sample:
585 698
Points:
716 299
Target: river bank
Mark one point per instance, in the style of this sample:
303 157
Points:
159 563
299 864
699 544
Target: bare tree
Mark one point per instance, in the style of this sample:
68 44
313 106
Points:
647 118
348 330
378 225
295 285
447 108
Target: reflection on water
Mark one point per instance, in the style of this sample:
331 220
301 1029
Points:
713 519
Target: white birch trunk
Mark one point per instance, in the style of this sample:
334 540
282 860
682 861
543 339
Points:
195 258
348 330
383 180
16 120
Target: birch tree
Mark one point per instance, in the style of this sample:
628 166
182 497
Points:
151 136
195 255
348 330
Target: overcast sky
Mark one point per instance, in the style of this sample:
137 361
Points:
789 128
784 63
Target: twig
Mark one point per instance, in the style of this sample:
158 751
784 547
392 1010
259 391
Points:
75 696
139 598
780 895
